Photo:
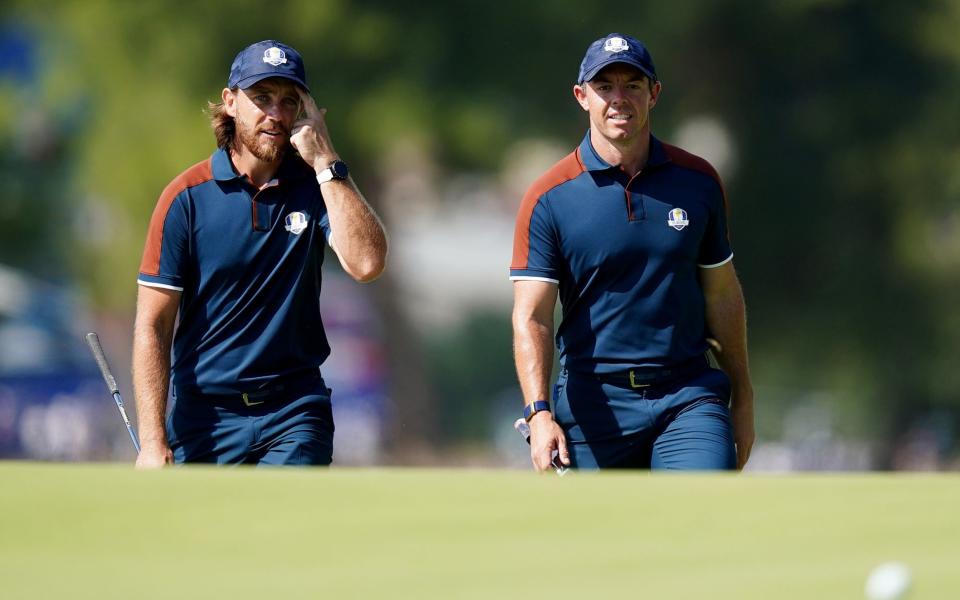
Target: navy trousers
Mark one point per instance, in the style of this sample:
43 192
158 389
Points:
679 424
290 427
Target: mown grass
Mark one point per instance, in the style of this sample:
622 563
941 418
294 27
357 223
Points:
105 531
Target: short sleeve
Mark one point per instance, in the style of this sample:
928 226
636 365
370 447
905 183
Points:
715 247
535 244
166 250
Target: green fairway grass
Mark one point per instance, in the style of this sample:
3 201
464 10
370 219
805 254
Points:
97 531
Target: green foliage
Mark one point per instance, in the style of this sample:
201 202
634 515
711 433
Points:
844 160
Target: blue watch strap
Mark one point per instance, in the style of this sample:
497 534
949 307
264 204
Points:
535 407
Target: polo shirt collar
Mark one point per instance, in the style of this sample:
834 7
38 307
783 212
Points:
658 156
291 167
593 162
221 166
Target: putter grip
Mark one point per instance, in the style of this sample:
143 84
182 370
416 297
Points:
94 342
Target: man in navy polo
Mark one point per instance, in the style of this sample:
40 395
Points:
234 249
631 233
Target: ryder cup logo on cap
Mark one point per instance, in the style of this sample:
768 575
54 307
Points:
265 59
616 44
296 222
678 219
616 48
275 56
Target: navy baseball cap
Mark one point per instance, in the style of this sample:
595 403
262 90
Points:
616 48
268 58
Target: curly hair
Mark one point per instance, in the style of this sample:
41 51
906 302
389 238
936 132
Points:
224 127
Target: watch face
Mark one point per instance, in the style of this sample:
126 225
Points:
339 169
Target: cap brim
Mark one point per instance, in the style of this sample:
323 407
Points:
592 72
254 79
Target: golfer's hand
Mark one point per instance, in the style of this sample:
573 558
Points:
309 135
545 437
154 455
741 415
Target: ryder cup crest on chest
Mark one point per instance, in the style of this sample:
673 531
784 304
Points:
296 222
677 218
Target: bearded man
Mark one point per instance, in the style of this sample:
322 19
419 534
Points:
234 249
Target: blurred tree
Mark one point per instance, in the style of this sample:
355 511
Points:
36 164
848 151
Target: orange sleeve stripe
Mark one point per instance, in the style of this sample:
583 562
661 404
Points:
195 175
570 167
693 162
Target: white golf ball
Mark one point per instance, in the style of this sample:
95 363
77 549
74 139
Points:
888 581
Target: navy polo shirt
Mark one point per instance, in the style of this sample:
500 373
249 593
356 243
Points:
247 262
625 253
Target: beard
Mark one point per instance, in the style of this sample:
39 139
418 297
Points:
266 149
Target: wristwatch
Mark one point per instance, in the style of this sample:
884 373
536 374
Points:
335 170
535 407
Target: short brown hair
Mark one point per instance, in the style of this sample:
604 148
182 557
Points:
224 127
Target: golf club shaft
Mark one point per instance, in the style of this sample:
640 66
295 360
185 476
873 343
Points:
126 421
93 340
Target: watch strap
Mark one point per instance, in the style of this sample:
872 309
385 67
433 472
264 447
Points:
535 407
325 175
330 173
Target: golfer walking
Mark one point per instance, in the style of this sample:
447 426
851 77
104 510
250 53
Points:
631 234
232 257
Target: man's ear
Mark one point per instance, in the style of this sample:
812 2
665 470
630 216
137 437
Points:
229 98
580 93
654 94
